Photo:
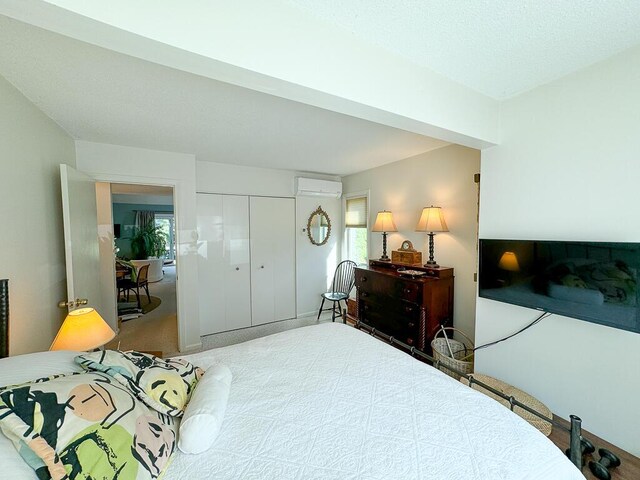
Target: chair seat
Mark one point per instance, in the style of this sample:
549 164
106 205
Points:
126 283
335 296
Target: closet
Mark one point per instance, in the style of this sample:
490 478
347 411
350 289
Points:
246 261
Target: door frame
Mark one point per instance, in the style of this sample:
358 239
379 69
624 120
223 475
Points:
160 182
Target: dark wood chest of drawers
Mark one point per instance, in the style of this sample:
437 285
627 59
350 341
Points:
409 309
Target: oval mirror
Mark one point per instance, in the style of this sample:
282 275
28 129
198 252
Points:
319 227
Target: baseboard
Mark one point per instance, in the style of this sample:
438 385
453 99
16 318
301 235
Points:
193 348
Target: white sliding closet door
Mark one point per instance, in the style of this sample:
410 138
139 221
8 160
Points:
273 269
224 263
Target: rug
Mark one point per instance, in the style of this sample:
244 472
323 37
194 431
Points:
146 306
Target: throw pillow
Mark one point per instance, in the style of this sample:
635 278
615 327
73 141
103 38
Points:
164 385
615 280
204 414
84 426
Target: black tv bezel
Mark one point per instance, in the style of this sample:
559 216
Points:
539 308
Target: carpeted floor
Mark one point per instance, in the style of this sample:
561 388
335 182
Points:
158 329
244 334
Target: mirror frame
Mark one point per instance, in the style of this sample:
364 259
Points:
319 211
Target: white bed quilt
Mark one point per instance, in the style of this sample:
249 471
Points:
330 402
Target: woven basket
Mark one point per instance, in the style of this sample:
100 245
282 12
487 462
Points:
528 400
452 353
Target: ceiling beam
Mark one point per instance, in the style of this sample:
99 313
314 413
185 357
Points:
276 49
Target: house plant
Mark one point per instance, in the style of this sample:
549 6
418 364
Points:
148 244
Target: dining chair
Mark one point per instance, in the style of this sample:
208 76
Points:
344 279
127 285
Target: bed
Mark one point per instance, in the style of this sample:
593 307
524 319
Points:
331 402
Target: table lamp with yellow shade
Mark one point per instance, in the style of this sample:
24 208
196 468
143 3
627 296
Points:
431 221
509 262
384 223
83 329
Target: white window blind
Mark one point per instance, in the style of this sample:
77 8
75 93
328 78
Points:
356 212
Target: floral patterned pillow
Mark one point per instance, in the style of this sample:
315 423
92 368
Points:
86 426
164 385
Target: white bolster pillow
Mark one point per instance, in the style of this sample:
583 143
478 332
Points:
204 414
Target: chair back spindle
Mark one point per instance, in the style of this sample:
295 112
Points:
344 278
343 282
142 274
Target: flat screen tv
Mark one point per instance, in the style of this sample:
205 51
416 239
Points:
592 281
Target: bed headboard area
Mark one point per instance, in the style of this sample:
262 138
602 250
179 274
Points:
4 318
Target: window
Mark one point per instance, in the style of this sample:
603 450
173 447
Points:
356 215
166 222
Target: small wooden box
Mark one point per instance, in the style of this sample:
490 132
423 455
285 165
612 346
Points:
406 256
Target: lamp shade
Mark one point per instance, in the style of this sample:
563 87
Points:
509 262
384 222
83 329
432 220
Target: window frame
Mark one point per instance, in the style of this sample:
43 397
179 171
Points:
171 217
345 236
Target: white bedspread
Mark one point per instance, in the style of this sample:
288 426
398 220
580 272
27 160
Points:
330 402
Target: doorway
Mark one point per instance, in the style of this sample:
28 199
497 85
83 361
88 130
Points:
145 268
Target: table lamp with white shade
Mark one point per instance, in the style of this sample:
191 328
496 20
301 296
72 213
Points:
431 220
83 330
384 223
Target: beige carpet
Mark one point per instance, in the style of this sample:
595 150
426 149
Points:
250 333
158 329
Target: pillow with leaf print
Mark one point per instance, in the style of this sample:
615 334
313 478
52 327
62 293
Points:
164 385
86 425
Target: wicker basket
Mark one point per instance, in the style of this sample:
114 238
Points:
511 391
452 353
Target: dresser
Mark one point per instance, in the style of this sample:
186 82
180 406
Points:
411 309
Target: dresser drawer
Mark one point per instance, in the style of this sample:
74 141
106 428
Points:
374 284
398 319
409 291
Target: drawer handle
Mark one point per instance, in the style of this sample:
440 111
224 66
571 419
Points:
237 268
364 279
407 290
366 307
365 294
409 341
408 309
411 324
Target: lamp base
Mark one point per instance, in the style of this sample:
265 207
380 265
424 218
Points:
384 257
431 262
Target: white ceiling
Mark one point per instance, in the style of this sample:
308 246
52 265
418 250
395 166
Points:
102 96
497 47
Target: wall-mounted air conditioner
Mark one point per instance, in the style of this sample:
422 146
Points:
318 188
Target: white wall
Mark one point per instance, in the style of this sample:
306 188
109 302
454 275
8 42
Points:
568 169
444 178
118 164
32 253
314 264
107 257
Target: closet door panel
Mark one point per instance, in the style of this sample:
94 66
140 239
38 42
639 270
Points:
284 257
272 259
262 278
210 263
237 285
223 263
